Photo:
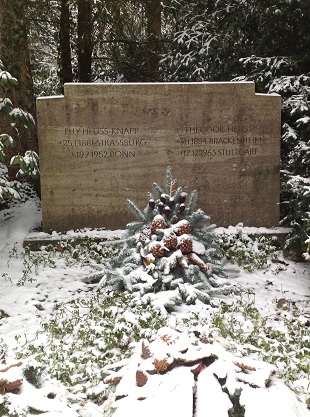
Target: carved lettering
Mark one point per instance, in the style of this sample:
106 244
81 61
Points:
216 129
218 152
87 131
103 154
98 140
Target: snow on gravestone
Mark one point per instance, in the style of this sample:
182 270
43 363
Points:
103 143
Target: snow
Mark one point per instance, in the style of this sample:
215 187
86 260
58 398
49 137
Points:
178 391
211 399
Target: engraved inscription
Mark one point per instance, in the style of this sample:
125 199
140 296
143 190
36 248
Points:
83 147
103 142
227 137
93 142
218 152
101 131
103 154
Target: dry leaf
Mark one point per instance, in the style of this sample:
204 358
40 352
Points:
161 365
113 381
141 378
6 386
146 353
244 367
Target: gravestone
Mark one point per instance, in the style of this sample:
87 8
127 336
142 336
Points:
101 144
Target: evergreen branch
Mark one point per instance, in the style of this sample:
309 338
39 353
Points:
135 210
177 194
150 196
148 214
192 203
158 189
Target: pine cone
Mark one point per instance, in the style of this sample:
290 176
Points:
185 244
182 198
141 378
182 227
160 207
167 210
170 240
157 250
164 198
158 223
171 202
181 208
152 204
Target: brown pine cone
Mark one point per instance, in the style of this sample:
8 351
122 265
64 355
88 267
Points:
170 240
141 378
158 223
182 227
185 244
157 250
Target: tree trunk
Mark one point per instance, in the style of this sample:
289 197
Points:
84 29
153 30
66 74
14 54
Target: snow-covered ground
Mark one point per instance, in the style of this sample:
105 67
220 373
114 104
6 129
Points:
182 375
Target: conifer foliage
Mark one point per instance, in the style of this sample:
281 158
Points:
169 254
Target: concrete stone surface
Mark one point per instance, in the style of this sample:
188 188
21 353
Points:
101 144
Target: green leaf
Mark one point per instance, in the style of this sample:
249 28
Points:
6 140
16 160
5 106
22 117
6 79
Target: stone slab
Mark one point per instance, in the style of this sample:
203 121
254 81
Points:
35 240
101 144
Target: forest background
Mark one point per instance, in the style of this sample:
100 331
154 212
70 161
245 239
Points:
45 43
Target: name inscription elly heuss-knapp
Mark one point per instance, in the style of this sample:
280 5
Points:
103 143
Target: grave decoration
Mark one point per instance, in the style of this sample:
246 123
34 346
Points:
169 255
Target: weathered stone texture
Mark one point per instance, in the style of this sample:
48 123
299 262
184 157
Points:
103 143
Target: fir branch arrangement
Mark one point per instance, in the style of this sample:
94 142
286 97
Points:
168 254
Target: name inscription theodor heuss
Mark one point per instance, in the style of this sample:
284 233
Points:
103 143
